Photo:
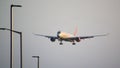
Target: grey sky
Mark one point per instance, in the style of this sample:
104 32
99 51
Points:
49 16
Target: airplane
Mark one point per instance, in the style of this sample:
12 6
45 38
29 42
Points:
63 36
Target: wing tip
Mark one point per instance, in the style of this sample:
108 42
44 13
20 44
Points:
102 35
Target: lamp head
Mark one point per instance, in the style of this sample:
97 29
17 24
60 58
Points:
35 56
2 28
16 5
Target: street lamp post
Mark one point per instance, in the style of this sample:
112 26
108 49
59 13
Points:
37 60
20 33
11 28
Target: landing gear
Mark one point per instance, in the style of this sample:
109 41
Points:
73 43
61 43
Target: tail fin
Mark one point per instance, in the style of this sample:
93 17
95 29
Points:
76 30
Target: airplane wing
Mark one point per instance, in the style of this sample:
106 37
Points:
47 36
86 37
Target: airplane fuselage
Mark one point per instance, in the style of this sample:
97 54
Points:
65 35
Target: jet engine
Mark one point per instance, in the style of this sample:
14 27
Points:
52 39
78 39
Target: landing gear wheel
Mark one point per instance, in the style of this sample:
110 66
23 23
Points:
61 43
73 43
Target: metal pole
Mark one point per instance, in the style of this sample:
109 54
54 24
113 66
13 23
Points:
20 33
11 59
11 38
37 60
21 64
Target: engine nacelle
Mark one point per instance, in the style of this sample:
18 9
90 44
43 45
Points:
52 39
78 39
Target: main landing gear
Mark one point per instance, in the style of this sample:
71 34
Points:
61 43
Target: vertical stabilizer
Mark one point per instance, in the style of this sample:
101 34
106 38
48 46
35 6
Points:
76 30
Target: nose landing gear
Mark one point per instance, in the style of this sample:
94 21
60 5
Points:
61 42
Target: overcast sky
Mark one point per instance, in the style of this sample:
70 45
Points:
49 16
